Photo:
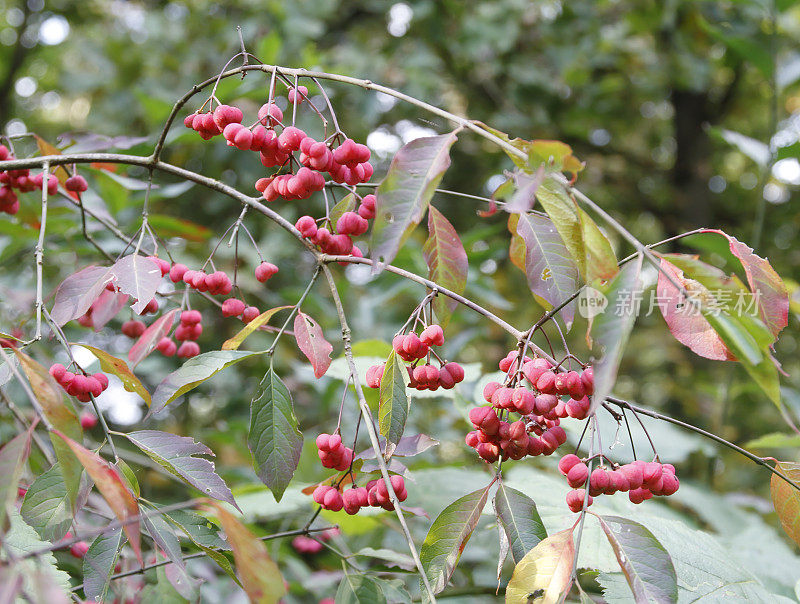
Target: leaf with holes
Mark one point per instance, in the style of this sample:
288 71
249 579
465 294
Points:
393 404
773 297
546 570
13 456
108 481
259 576
448 536
60 415
236 341
194 372
99 563
610 329
149 339
517 516
312 343
274 439
551 271
118 367
786 499
176 455
77 292
645 563
447 262
404 194
139 277
46 506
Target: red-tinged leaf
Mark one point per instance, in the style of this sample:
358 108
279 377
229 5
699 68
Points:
106 307
403 196
118 367
111 486
551 271
262 319
78 291
149 339
524 196
686 323
448 536
773 297
447 262
13 456
786 499
545 570
312 343
138 277
60 415
259 575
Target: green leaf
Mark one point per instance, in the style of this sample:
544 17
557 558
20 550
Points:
447 262
176 455
163 536
13 456
552 273
404 194
393 404
120 368
645 563
204 535
448 536
601 262
163 591
99 563
546 570
128 476
47 507
775 440
169 226
564 213
516 514
359 589
274 439
610 329
194 372
345 204
236 341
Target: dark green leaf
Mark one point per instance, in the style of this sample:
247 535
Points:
99 563
517 515
46 506
393 405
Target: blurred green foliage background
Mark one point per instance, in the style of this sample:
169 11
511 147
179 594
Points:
679 108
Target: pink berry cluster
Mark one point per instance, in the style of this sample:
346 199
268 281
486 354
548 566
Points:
375 494
82 387
641 480
412 348
306 545
22 182
332 452
338 239
532 389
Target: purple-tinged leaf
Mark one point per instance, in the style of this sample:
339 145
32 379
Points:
312 343
13 456
447 262
405 192
448 536
773 297
274 439
149 339
524 196
106 307
139 277
552 273
194 372
99 563
646 564
407 446
78 291
166 540
610 329
175 454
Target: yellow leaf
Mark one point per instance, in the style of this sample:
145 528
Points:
545 573
46 148
786 499
236 341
